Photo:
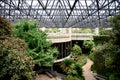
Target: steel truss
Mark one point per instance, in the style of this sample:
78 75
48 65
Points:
61 13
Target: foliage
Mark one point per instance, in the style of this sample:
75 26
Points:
66 64
115 23
91 56
99 58
104 31
113 77
106 58
38 47
70 67
52 30
83 30
70 77
81 60
5 28
102 39
88 44
76 50
14 62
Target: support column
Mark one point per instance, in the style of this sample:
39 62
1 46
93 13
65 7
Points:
43 28
70 29
62 30
70 32
96 31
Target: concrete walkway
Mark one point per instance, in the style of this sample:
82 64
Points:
87 72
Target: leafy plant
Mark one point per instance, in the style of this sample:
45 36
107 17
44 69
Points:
70 67
15 64
88 44
76 50
91 56
5 28
70 77
102 39
38 47
106 58
66 64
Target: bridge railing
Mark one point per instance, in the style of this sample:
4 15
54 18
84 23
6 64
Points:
65 37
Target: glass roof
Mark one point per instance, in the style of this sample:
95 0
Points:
61 13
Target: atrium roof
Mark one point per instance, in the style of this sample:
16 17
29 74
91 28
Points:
61 13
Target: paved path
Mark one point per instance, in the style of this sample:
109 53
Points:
44 77
87 72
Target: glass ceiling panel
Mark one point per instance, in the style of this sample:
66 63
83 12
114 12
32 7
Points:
61 13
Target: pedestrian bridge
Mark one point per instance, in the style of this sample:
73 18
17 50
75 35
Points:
65 37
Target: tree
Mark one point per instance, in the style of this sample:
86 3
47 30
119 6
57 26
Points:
107 56
76 50
15 64
38 47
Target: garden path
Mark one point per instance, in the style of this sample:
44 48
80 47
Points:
88 75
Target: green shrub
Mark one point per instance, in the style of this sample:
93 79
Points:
14 63
106 58
78 69
69 77
102 39
91 56
70 67
81 60
99 59
88 46
5 28
76 50
104 31
38 47
66 64
113 77
82 30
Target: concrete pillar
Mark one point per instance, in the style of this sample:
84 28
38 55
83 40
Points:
70 30
96 31
70 33
43 28
63 30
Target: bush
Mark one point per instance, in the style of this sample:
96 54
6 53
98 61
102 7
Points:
14 62
113 77
104 31
99 59
38 47
78 69
91 56
70 67
69 77
88 46
66 64
76 50
81 60
102 39
5 29
106 58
